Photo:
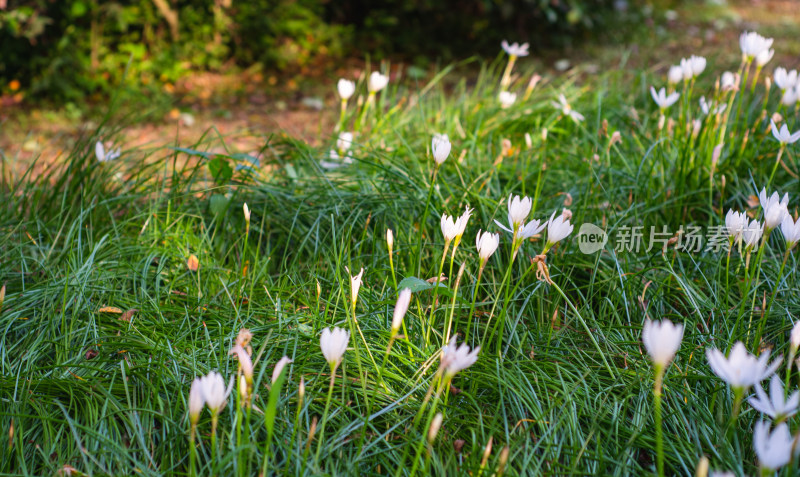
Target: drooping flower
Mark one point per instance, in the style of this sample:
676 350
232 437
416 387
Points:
457 358
530 229
486 243
102 155
400 308
566 109
783 135
662 340
752 44
791 231
377 82
214 391
775 208
558 229
440 148
346 88
506 99
775 406
662 99
515 49
276 373
333 343
774 449
741 369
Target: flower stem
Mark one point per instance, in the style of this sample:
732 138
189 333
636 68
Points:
659 375
325 414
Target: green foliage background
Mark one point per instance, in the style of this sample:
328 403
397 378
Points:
64 50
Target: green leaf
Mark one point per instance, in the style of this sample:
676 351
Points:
220 169
414 284
218 204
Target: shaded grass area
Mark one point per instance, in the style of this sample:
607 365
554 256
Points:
561 380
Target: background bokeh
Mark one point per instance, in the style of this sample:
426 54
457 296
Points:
66 50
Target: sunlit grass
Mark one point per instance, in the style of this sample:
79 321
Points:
561 385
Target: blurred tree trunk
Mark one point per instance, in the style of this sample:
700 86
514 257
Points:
170 15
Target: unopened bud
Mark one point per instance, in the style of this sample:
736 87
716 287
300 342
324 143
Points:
702 467
436 424
246 213
390 240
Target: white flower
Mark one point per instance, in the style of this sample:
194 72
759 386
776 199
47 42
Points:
400 308
752 44
102 155
518 210
389 238
355 284
344 142
515 49
790 96
455 359
276 373
785 79
719 473
440 148
775 406
790 230
783 135
566 109
377 82
246 211
333 343
711 108
752 233
530 229
764 56
486 243
741 369
662 100
773 450
454 228
692 67
558 229
506 99
735 223
244 361
794 337
675 74
214 391
662 340
346 88
196 399
775 208
729 81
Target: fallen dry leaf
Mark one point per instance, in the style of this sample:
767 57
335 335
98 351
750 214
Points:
128 314
110 309
193 263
